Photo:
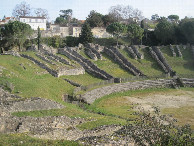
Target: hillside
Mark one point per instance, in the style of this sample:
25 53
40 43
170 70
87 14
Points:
26 79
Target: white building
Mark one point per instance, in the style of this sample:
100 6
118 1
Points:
34 22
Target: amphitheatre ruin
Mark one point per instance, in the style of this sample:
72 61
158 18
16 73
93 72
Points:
154 70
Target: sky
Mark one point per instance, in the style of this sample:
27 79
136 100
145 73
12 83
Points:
81 8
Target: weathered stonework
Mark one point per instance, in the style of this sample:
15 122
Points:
163 60
71 71
122 61
179 51
172 50
136 51
131 52
155 57
87 65
91 96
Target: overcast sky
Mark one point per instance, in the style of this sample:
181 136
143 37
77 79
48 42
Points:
81 8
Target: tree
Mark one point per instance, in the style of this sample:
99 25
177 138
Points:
164 31
187 29
60 21
22 9
66 14
135 33
94 19
38 38
86 34
121 12
142 24
41 13
155 17
108 19
173 18
117 29
15 34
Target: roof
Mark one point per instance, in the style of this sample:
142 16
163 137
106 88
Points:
9 17
32 17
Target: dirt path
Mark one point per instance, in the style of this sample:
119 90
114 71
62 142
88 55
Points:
176 99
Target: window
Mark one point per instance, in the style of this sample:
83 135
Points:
23 20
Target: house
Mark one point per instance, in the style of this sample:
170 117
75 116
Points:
34 22
100 32
7 20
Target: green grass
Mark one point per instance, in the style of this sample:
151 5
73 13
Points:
147 65
73 111
117 105
183 66
84 79
184 115
25 140
32 82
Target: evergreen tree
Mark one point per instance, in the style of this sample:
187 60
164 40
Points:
38 38
117 29
15 34
86 34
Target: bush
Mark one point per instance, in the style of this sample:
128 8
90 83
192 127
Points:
157 130
71 41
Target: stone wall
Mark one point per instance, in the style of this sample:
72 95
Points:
70 71
44 47
136 51
51 71
122 61
172 51
91 54
155 57
163 60
179 51
91 96
131 52
41 56
57 58
87 65
95 49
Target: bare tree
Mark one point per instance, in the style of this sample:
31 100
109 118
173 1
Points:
22 9
138 14
39 12
121 12
115 11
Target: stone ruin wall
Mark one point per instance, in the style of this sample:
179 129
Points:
131 52
179 51
57 73
155 57
51 71
162 59
87 65
91 96
122 61
172 51
136 51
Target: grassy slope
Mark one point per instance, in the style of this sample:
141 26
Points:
183 66
147 65
32 81
29 84
109 65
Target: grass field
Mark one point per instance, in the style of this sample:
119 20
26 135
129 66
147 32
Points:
22 77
